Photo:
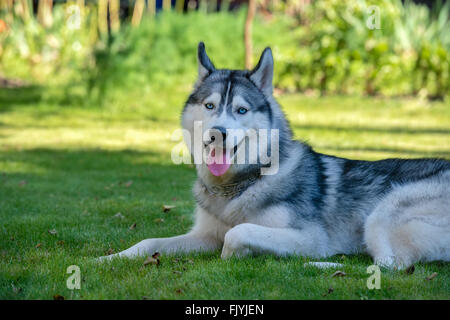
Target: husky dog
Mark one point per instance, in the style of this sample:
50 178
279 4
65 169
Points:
315 205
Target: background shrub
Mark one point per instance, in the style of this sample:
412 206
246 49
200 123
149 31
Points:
324 47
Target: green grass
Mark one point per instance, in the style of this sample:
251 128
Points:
72 169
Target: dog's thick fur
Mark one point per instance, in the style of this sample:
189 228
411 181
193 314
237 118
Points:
317 205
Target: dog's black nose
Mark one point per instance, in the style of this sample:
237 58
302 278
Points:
218 130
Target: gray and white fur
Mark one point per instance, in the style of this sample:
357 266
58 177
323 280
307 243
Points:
317 205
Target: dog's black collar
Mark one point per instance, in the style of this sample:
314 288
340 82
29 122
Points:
231 190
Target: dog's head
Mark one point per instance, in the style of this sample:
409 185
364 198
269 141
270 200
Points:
224 112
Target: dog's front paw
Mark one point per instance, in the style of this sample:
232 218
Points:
228 252
389 262
235 243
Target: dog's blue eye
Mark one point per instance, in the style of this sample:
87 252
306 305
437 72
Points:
242 110
209 106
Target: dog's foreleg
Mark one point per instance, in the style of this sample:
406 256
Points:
206 235
180 244
245 239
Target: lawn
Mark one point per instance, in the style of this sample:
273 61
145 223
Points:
70 170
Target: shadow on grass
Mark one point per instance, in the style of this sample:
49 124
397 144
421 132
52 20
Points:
43 189
400 151
371 129
79 173
11 97
387 130
30 96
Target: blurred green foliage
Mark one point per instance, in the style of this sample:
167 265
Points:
48 56
332 46
341 49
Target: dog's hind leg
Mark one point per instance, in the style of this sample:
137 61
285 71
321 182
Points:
410 224
249 239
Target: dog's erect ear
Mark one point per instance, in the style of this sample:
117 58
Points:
205 66
262 74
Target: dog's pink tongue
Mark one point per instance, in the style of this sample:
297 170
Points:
217 166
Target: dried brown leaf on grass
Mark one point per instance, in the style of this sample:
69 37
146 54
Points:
154 259
339 274
15 289
166 208
330 291
128 184
432 276
119 215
